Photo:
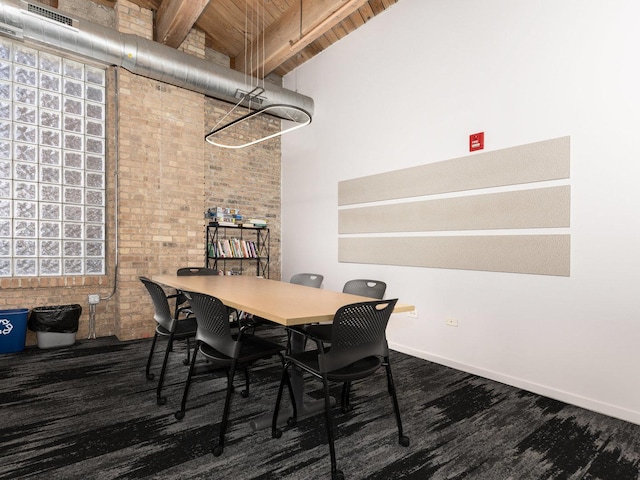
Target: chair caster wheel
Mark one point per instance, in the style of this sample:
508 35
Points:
179 415
404 441
150 376
217 450
161 401
291 422
337 475
277 433
244 393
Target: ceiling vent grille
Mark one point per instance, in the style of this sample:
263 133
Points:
49 14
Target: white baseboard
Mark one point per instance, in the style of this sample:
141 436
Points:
567 397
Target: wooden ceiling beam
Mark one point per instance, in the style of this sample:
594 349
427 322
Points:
175 18
292 32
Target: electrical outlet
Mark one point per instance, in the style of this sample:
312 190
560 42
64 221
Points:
452 322
413 313
94 299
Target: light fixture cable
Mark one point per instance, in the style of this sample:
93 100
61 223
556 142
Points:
240 128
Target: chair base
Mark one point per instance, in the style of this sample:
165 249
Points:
306 409
217 450
337 475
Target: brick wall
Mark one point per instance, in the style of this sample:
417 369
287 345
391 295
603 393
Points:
161 180
167 176
130 18
247 179
161 187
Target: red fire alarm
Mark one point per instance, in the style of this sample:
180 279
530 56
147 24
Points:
476 141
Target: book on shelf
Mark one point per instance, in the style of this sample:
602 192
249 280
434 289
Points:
237 248
224 249
223 224
251 250
233 248
254 225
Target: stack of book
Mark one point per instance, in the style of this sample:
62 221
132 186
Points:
224 217
255 223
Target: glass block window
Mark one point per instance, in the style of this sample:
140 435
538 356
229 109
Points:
52 164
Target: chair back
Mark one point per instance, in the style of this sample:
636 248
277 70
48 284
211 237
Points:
162 313
307 279
365 288
193 271
213 323
358 331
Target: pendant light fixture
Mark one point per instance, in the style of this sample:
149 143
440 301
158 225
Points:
248 122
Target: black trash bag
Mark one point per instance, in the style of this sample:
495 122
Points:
58 318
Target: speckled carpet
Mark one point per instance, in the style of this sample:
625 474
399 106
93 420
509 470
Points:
87 412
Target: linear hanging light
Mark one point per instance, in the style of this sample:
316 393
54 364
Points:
238 133
250 128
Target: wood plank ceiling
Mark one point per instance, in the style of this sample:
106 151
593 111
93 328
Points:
260 36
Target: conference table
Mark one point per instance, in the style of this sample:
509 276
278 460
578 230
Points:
283 303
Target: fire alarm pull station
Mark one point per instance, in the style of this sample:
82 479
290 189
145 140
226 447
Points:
476 141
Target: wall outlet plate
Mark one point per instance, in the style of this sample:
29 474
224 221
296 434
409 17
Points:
94 299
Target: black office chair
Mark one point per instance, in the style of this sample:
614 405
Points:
224 350
358 349
360 286
365 288
194 271
181 301
167 326
322 331
308 279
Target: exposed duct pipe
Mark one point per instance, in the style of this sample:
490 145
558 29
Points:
23 20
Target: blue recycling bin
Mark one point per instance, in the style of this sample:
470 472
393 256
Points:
13 330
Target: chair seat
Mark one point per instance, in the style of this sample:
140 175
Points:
183 328
253 348
355 371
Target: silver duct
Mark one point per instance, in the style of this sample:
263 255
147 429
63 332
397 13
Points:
23 20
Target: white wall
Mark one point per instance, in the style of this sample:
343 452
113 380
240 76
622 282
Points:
407 89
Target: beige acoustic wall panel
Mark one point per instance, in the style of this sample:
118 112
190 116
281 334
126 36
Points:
532 254
536 208
534 162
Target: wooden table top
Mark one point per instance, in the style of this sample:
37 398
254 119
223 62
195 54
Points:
281 302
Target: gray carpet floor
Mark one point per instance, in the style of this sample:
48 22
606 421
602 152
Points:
87 411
